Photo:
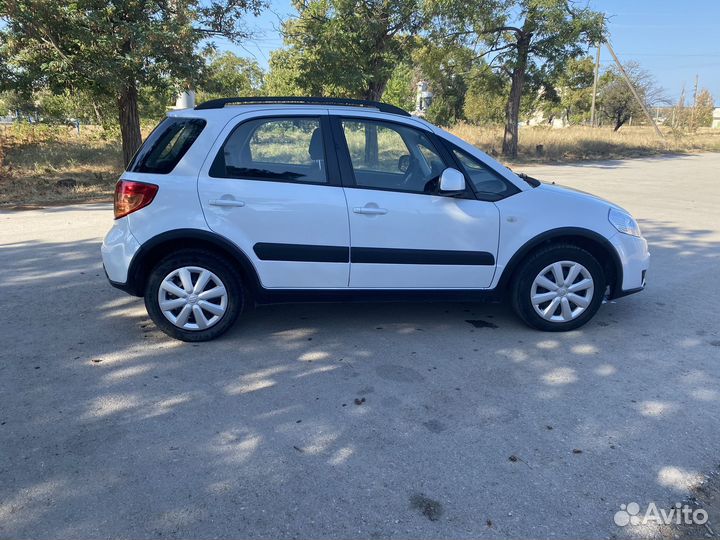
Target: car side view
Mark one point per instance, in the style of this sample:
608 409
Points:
245 201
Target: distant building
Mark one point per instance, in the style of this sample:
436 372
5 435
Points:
423 99
538 118
716 118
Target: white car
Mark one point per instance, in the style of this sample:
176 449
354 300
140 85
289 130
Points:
257 200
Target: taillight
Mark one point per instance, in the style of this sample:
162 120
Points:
131 196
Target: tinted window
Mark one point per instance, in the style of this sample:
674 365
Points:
488 184
282 149
166 145
392 156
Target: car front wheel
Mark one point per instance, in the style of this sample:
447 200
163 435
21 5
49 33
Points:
194 295
558 288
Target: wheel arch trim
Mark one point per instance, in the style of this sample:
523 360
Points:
564 233
148 254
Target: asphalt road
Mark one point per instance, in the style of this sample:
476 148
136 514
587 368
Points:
108 429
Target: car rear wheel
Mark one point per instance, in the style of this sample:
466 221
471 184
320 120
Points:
558 288
194 295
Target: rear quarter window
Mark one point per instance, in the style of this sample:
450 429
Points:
166 145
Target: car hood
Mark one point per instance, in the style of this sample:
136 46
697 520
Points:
572 192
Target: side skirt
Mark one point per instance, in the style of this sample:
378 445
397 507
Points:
289 296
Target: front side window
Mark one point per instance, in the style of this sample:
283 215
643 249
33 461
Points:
487 183
392 156
166 145
280 149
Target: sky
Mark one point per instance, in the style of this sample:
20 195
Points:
674 40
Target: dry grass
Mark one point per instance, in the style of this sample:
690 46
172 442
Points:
36 158
580 143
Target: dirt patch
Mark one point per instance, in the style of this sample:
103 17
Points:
429 508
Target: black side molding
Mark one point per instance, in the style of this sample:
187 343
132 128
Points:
301 253
339 254
421 256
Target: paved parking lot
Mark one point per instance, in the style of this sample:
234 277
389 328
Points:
397 420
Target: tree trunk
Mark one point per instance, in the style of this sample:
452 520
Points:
129 121
375 90
98 116
512 109
619 121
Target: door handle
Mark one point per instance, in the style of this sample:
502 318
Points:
370 210
226 202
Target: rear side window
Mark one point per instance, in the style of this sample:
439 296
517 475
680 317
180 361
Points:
275 149
166 145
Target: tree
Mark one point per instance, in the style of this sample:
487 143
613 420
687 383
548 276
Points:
616 101
445 66
704 107
229 75
112 48
570 94
525 38
283 74
485 98
347 48
400 89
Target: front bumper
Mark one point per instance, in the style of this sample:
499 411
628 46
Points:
635 261
118 249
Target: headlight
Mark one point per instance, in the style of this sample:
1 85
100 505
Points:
623 222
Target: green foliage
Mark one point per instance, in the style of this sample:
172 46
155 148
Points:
400 90
228 75
345 48
570 95
530 41
445 65
284 76
441 111
486 96
110 49
616 101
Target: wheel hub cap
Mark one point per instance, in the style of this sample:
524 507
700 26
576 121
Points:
562 291
192 298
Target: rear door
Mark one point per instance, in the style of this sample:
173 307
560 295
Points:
404 233
271 185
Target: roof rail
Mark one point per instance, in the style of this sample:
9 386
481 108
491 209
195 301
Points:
292 100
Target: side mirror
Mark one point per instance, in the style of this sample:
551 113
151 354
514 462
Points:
452 181
404 163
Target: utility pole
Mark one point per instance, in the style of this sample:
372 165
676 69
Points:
595 81
692 113
634 92
680 109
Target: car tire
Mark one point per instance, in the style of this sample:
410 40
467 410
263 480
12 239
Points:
201 291
558 305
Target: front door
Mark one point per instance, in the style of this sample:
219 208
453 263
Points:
404 234
272 187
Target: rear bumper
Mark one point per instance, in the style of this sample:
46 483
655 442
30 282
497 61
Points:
118 249
635 260
122 285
